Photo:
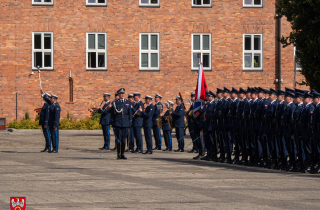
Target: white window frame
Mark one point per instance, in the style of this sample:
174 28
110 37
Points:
295 62
149 4
252 51
149 51
202 51
42 3
97 4
202 5
96 50
43 50
252 5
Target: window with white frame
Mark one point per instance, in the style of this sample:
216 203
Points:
201 3
149 51
252 52
42 50
252 3
96 51
201 43
149 3
42 2
297 63
96 2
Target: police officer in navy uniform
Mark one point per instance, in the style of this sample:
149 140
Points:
54 118
147 122
44 120
240 123
209 139
306 132
227 123
255 128
288 128
178 122
191 121
298 99
116 97
247 146
167 130
121 122
235 127
137 121
315 138
105 112
156 130
131 136
278 128
270 150
219 126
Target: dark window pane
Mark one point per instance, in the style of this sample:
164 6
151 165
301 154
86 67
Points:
206 60
101 60
247 42
257 60
154 1
47 0
38 59
247 2
101 41
154 60
205 42
206 1
47 41
101 1
257 2
154 42
47 59
298 64
37 0
144 1
196 42
257 42
247 60
197 2
37 41
144 42
195 60
92 60
91 1
144 60
91 38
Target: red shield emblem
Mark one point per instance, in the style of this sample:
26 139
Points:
18 203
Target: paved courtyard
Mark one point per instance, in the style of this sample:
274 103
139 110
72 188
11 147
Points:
81 176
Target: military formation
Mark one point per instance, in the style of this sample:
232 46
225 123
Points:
49 121
255 127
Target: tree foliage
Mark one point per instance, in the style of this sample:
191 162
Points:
304 16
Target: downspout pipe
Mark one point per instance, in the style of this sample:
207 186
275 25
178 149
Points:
279 52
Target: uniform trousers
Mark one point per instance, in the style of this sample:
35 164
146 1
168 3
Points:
157 135
106 135
138 136
46 133
148 138
180 137
167 139
121 133
131 139
55 138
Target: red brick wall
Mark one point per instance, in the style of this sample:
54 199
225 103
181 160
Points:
123 21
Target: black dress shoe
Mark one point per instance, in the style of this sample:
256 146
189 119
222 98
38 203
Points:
147 153
165 149
193 151
198 157
178 150
102 148
131 150
53 151
157 148
138 151
45 150
123 157
114 149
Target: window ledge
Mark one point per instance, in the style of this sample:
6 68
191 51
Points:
94 69
149 69
203 69
96 5
69 102
201 6
252 69
35 4
251 6
141 5
35 69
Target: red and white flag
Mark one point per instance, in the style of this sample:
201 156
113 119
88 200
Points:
201 90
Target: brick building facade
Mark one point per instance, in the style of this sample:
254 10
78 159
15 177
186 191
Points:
172 29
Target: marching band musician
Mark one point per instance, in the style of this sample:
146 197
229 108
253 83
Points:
116 97
137 121
131 136
44 119
190 120
166 127
156 130
105 120
121 122
147 122
178 123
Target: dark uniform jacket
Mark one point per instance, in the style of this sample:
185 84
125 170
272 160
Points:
227 123
105 114
156 114
190 119
306 114
147 116
268 116
137 120
178 116
44 114
254 106
233 113
286 119
210 107
218 113
260 112
165 123
54 114
315 122
246 114
122 113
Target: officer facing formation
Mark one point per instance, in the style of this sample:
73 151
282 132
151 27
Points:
105 120
49 120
